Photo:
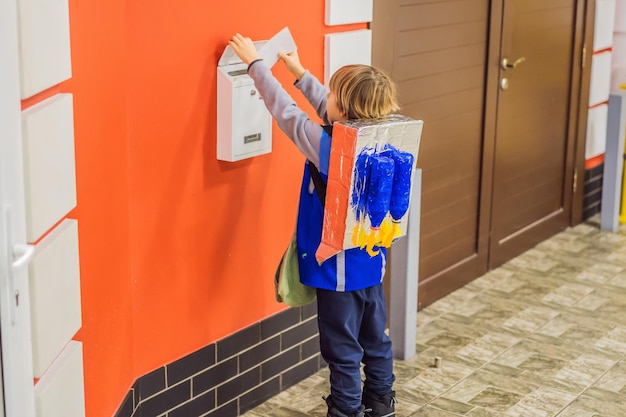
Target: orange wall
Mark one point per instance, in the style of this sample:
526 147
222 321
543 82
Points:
177 249
206 235
102 176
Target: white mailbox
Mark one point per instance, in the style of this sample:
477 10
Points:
244 125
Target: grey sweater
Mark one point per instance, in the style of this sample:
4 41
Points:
292 120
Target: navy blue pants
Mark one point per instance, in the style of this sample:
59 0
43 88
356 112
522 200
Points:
352 330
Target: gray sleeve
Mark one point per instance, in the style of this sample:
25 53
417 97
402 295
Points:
296 124
315 93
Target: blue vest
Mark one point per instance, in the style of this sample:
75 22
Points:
349 270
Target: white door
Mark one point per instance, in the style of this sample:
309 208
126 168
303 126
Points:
15 332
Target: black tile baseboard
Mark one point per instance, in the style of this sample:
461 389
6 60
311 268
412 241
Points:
234 374
592 197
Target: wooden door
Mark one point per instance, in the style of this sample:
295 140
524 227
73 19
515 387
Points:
497 164
532 175
436 51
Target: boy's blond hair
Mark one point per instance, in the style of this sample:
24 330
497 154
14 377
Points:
363 92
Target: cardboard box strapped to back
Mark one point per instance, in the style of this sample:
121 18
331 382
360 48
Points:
370 177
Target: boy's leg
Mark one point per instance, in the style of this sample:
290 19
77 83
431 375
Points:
339 319
378 356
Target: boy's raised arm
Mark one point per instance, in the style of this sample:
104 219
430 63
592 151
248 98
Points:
292 62
310 87
315 93
292 120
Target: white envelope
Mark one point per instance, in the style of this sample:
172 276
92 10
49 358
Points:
281 42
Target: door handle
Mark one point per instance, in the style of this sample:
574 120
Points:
506 64
22 253
17 256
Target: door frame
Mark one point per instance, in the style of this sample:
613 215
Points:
490 113
1 385
589 7
15 340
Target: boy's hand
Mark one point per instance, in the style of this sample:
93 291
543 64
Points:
292 61
244 48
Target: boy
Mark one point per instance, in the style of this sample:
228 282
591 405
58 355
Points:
350 297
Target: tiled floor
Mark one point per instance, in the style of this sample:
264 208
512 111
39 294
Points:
543 335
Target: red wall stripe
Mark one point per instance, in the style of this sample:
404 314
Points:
41 96
594 162
603 103
601 51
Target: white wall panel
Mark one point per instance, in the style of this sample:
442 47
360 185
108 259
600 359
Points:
60 392
49 168
354 47
618 62
596 131
620 16
44 31
604 23
340 12
619 50
55 294
600 78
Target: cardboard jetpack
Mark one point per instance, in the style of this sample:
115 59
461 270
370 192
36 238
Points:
370 178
